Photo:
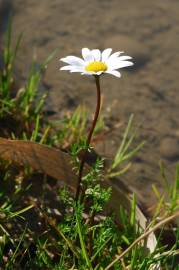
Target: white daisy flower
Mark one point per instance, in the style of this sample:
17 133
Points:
95 62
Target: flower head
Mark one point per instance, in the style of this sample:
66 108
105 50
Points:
95 62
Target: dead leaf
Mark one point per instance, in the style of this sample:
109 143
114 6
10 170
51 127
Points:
58 164
48 160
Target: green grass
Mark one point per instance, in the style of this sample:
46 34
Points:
41 224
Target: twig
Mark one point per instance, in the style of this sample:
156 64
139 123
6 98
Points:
143 236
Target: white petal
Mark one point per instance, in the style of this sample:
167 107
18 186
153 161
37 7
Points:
120 64
113 56
66 68
87 73
87 55
77 69
73 60
124 57
73 71
99 72
105 54
97 54
85 52
114 72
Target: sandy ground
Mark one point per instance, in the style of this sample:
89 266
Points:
146 30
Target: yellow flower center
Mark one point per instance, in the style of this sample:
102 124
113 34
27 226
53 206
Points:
96 66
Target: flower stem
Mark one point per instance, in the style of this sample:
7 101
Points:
98 105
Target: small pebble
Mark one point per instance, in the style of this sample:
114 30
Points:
169 148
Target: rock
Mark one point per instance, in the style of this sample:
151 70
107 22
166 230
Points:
169 148
130 46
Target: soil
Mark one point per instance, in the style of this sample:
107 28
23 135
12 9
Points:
146 30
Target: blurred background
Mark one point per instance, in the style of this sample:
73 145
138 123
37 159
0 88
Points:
146 30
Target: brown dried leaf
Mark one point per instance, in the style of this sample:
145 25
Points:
48 160
58 164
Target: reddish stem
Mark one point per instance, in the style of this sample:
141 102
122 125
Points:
98 105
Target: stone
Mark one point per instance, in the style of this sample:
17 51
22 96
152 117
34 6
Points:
169 148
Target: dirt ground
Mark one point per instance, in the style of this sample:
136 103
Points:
146 30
